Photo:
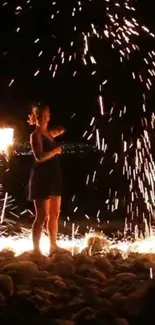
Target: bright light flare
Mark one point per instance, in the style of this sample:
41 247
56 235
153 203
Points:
21 243
6 139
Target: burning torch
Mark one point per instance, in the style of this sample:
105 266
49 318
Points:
6 143
6 140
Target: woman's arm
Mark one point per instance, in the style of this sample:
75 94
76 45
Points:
37 148
57 131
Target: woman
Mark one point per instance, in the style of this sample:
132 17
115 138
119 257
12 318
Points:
45 178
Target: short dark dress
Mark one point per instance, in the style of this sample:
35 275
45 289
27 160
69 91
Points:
45 178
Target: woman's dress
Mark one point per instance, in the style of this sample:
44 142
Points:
45 178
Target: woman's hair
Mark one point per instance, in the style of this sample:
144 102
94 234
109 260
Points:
36 112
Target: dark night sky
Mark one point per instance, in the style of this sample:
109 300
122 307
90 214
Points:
65 94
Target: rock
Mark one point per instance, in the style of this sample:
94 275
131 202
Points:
102 264
132 306
69 282
105 303
67 258
41 282
125 277
56 259
106 315
38 259
45 282
91 272
118 302
99 275
135 302
63 322
117 298
144 289
128 266
145 262
142 301
80 259
92 281
76 303
85 314
42 274
110 290
54 278
121 321
67 322
74 290
79 280
127 289
2 299
6 285
6 254
23 266
23 289
60 284
91 291
44 298
21 272
23 305
63 269
56 311
41 300
84 270
49 264
49 283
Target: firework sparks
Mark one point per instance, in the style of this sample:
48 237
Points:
22 242
131 159
4 207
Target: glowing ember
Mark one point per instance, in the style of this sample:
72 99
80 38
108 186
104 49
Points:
23 242
6 139
141 246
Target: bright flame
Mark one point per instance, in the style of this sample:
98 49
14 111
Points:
6 138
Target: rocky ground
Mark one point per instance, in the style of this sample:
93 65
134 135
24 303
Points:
83 289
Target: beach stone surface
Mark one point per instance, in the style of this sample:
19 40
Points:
81 289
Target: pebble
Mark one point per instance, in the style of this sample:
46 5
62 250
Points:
21 272
6 285
63 269
121 321
103 265
125 277
77 290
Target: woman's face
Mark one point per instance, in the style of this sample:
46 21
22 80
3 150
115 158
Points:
44 118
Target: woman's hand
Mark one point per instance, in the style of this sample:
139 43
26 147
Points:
57 131
58 150
60 130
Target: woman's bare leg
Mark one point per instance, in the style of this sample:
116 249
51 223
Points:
42 210
54 212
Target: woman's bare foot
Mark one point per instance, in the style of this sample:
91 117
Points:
57 249
37 251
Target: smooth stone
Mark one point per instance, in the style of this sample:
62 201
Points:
6 285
